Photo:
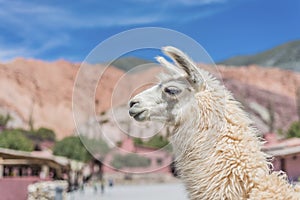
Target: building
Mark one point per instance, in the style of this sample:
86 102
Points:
286 153
37 164
18 169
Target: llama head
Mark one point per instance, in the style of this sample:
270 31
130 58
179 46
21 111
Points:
176 97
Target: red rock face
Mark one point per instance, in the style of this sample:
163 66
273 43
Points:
263 86
43 90
275 80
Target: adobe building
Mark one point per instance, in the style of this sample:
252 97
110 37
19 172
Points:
286 153
18 169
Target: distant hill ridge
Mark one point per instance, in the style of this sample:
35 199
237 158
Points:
285 56
127 63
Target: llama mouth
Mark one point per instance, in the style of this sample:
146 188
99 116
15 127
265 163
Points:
138 116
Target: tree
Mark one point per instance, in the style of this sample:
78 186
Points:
271 121
45 134
15 139
294 130
138 141
71 147
129 160
4 120
96 146
42 134
157 142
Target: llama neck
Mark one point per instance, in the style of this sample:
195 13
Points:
217 162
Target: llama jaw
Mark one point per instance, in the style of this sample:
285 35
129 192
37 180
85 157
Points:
138 115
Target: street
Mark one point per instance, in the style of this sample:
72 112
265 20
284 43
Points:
174 191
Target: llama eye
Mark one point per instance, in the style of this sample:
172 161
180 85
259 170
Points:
172 90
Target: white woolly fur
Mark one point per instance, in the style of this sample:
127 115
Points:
218 152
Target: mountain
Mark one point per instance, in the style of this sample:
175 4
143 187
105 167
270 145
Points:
259 88
285 56
127 63
42 91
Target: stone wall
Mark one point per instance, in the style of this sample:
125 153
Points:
48 190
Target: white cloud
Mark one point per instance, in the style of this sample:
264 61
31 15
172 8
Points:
9 52
28 30
36 27
52 16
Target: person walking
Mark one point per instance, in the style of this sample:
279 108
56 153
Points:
102 185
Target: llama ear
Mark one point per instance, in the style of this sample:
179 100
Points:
172 69
185 63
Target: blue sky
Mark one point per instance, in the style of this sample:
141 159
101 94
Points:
51 30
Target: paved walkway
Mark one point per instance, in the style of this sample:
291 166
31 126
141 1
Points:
133 192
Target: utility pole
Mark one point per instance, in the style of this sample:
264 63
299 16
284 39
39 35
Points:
271 122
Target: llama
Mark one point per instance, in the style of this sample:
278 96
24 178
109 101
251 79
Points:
218 153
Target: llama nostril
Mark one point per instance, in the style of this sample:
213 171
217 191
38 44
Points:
132 103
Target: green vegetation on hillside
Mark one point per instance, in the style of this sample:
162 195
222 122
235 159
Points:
127 63
286 56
